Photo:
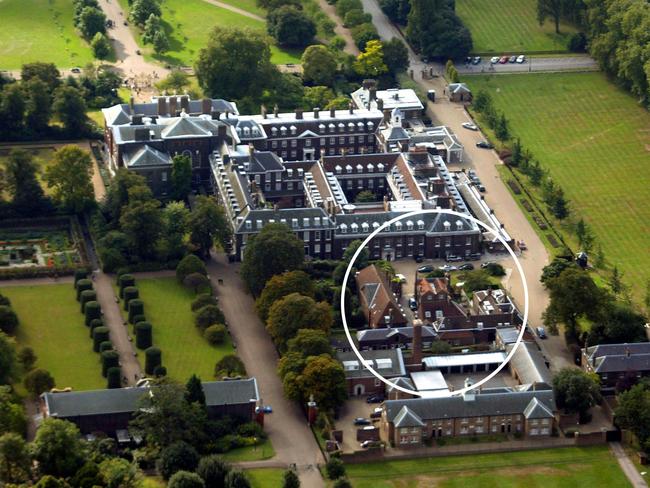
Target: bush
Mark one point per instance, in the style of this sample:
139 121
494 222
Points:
495 269
197 283
342 483
137 319
356 17
251 429
129 293
153 358
143 335
92 311
110 359
38 381
79 274
27 358
208 315
213 470
124 281
8 320
136 307
114 377
185 479
82 285
215 334
335 468
179 456
85 297
203 300
188 265
159 371
363 33
290 479
229 365
100 334
578 43
105 346
94 323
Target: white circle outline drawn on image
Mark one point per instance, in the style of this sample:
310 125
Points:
415 213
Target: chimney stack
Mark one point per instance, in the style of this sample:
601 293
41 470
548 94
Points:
216 115
251 152
372 95
206 106
298 114
316 112
131 103
162 105
351 107
185 103
386 116
333 113
172 105
380 104
263 111
416 352
275 110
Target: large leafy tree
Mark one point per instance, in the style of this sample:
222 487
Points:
273 251
370 62
290 26
175 217
396 56
38 107
213 470
280 286
324 379
318 65
57 448
70 108
310 342
46 72
22 183
181 177
142 9
118 193
12 416
208 224
633 413
15 460
12 111
91 21
70 175
550 9
575 390
141 222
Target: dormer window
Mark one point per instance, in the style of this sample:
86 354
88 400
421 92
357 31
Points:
380 167
331 127
409 225
338 169
294 130
305 222
447 225
247 131
283 130
360 126
371 125
365 227
375 225
294 223
344 228
351 126
398 226
290 173
354 227
421 224
274 131
321 128
341 126
348 169
459 225
370 168
359 168
249 225
317 221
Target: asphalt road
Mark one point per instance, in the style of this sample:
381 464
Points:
534 64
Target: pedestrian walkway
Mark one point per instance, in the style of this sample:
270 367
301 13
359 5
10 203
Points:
627 466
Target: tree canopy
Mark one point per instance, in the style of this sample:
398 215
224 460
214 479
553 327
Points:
280 286
575 390
70 175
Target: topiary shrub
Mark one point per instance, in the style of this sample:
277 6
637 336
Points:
124 281
153 358
114 377
85 297
105 346
215 334
198 283
110 359
208 315
82 285
100 334
143 335
335 468
203 300
136 307
38 381
92 311
8 319
179 456
160 371
79 274
94 323
129 293
188 265
137 319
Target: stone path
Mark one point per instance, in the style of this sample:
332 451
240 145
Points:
237 10
627 466
339 29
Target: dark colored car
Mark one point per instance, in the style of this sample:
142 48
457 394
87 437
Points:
413 305
512 59
376 413
375 399
466 267
361 421
418 259
480 187
427 268
484 145
476 60
503 60
468 59
475 256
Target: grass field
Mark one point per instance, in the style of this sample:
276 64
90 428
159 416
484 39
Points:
40 30
51 324
595 141
252 453
558 468
188 24
508 26
265 477
184 351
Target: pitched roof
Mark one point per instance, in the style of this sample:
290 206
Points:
433 285
537 410
378 299
184 127
618 349
401 381
529 363
382 334
610 364
395 133
458 88
116 115
260 162
407 418
146 156
388 362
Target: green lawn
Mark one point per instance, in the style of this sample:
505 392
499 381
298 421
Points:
42 156
52 325
265 477
188 24
510 26
40 30
562 467
184 351
253 453
248 5
595 141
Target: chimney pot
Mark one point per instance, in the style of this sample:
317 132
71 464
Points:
263 111
332 113
316 112
162 105
298 114
380 104
351 107
206 106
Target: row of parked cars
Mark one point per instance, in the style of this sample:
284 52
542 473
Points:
508 59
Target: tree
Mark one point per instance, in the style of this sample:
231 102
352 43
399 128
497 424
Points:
290 479
213 470
273 251
363 257
237 479
179 456
396 10
208 225
280 286
27 358
160 42
370 62
38 107
559 208
621 324
576 391
119 473
207 316
364 33
176 81
194 392
12 110
38 381
70 108
141 222
335 468
396 56
365 196
318 65
317 96
294 312
46 72
555 268
324 379
70 175
8 320
355 17
275 4
7 358
141 10
310 342
501 129
633 413
15 460
57 448
215 334
552 9
101 46
246 74
475 280
175 217
5 300
21 181
151 26
229 365
615 282
51 482
181 177
290 26
188 265
186 479
197 282
584 235
91 21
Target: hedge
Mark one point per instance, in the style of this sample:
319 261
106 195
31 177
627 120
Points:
114 377
100 334
129 293
105 346
124 281
92 311
110 359
215 334
83 285
136 307
137 319
94 323
79 274
85 297
143 335
153 359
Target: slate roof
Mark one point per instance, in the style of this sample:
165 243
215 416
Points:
125 400
610 358
260 162
618 349
260 217
459 88
407 418
383 334
395 133
377 295
537 410
184 127
489 402
395 357
401 381
529 364
146 156
116 115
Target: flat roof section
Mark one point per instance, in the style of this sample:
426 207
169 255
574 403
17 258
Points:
429 381
435 362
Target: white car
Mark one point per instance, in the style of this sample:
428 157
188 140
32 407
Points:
469 125
401 278
521 59
494 59
448 268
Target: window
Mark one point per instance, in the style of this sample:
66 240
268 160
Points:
257 179
468 241
289 185
293 130
322 141
306 236
409 225
294 143
284 143
420 225
338 170
448 242
163 176
351 139
267 186
307 142
278 186
249 225
294 223
332 140
341 140
274 144
293 154
344 228
283 130
305 222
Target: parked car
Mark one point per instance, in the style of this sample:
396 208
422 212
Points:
503 60
475 256
487 263
76 70
453 258
468 59
480 187
484 145
541 333
400 277
427 268
469 125
413 305
448 268
368 444
494 59
521 59
512 59
137 51
125 23
476 60
361 421
376 413
471 173
522 245
267 409
418 259
466 267
375 399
